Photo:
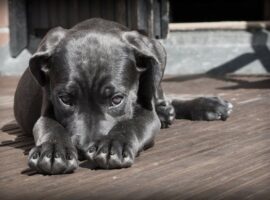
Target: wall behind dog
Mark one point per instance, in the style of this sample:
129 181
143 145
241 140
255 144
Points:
218 52
189 51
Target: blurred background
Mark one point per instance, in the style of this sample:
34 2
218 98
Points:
214 37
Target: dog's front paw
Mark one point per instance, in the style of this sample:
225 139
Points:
210 108
111 153
166 113
53 158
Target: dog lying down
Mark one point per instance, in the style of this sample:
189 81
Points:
93 92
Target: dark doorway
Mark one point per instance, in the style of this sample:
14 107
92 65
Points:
217 10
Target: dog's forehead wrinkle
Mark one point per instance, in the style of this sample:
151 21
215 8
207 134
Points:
93 41
98 78
103 58
70 86
74 80
94 50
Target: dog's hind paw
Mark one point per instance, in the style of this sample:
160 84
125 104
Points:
166 112
210 108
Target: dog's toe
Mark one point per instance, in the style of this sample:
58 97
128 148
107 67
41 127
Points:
128 157
166 113
52 159
110 153
211 108
72 163
222 109
115 157
33 158
229 108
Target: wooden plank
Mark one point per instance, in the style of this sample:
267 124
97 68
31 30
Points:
3 13
95 8
63 13
121 12
157 19
190 160
164 18
150 18
17 26
129 13
73 13
107 9
142 14
133 14
84 8
53 14
30 23
44 15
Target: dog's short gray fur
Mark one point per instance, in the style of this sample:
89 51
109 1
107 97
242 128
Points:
94 92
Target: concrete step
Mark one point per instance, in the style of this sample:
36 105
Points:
218 52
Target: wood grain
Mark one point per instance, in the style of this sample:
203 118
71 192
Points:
190 160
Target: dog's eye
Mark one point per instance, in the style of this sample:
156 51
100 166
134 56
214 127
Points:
117 99
66 99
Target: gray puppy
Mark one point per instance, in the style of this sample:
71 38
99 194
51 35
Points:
94 91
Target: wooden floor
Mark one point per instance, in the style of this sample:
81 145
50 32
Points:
191 160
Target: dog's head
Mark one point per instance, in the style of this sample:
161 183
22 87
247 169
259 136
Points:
94 79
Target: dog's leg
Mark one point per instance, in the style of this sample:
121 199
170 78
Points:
119 148
54 152
203 108
164 109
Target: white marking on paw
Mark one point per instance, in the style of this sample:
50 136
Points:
230 106
171 112
159 101
114 157
47 159
59 160
91 155
72 162
127 159
103 155
34 161
171 118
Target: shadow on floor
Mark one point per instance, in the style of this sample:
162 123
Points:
260 84
26 143
242 82
260 52
21 141
224 72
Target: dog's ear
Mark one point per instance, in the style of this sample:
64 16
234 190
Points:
149 57
38 63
